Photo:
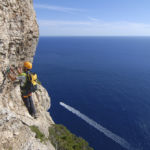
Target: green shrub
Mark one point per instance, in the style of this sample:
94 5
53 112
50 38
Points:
10 148
39 134
63 139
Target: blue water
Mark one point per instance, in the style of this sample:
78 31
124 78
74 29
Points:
105 78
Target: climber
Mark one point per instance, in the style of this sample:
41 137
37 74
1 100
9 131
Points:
26 78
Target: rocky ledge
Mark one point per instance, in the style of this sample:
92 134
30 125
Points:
15 121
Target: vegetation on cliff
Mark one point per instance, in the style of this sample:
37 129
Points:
62 138
39 134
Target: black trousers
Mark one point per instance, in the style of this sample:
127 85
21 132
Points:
29 104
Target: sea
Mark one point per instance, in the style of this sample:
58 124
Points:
99 88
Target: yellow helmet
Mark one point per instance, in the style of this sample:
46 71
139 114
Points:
27 65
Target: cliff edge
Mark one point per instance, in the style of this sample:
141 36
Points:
18 39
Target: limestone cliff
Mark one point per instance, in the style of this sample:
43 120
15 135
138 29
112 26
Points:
18 39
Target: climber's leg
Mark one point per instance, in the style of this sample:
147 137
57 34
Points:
27 103
32 108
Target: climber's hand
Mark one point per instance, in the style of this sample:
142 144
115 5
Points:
19 69
11 69
12 77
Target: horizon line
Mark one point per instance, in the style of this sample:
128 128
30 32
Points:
94 35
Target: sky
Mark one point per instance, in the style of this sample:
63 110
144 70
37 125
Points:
93 17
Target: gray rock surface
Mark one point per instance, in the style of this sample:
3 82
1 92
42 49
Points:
15 121
18 39
18 31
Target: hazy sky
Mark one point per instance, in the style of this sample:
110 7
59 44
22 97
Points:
93 17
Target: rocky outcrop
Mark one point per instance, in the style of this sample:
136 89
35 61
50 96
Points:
18 39
18 31
15 121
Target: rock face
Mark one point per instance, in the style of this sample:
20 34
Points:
18 39
15 121
18 31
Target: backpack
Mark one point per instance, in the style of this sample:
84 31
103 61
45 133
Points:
31 82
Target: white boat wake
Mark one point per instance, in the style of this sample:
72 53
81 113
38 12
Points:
99 127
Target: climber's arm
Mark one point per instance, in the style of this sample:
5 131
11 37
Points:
12 77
